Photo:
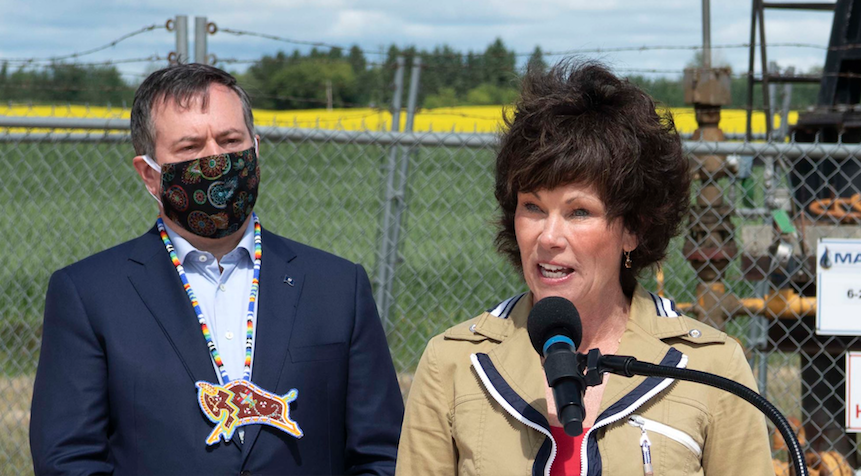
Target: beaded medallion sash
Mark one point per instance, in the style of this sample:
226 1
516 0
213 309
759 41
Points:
238 402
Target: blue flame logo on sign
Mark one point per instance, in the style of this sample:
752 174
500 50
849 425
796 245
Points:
825 260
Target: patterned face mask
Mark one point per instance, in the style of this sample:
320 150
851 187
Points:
210 196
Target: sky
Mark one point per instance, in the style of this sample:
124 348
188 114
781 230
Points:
49 28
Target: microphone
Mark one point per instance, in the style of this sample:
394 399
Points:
555 331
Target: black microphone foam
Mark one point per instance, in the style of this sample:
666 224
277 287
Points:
550 317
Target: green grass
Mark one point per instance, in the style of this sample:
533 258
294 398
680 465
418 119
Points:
67 201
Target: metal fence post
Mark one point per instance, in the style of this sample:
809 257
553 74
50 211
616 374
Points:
200 33
772 93
399 200
385 262
181 29
787 103
412 100
758 342
707 35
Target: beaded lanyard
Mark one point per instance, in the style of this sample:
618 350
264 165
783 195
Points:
252 300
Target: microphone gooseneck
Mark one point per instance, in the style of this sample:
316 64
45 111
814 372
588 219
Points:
627 366
555 331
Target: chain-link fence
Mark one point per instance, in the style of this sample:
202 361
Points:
417 210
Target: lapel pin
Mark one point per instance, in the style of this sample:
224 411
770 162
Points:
289 280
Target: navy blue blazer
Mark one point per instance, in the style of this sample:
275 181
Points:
122 349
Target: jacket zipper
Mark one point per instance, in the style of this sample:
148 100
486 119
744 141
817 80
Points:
644 424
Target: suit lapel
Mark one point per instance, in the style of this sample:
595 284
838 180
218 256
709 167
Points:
158 285
280 288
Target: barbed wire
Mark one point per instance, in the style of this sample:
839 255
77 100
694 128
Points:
464 66
84 53
523 54
757 76
292 41
672 47
151 58
303 59
156 58
850 46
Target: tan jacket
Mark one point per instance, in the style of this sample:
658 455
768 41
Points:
477 405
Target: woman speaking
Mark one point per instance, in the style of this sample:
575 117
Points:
592 184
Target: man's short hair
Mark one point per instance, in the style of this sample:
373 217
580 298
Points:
181 83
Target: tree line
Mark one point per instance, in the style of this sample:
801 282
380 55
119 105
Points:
351 78
64 83
348 79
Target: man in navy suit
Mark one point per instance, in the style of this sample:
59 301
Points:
209 345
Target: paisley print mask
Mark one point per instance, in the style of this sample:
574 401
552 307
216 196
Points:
210 196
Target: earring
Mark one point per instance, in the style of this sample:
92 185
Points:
628 261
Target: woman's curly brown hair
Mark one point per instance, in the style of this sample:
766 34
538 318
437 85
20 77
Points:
578 123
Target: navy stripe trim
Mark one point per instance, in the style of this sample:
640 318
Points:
665 307
503 309
658 308
516 401
541 458
596 467
672 359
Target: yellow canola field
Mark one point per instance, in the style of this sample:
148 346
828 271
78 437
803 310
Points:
481 119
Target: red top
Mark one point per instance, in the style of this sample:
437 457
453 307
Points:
567 462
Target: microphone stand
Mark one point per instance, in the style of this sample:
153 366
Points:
595 365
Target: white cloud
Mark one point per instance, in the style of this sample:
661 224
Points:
352 23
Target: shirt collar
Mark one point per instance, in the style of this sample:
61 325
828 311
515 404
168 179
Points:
183 248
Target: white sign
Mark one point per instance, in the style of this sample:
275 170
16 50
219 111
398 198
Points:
838 287
853 392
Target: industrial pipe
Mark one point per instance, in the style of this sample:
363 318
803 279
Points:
783 304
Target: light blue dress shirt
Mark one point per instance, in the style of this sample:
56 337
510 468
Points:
222 294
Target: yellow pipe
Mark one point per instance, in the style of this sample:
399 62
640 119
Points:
784 304
751 305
